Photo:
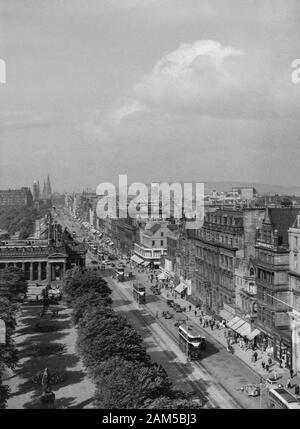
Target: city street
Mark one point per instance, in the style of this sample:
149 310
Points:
219 375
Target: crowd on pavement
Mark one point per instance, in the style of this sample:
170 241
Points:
266 368
259 361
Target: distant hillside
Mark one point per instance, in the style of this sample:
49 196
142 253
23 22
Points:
262 188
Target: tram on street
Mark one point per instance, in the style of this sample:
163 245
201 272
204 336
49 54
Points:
281 398
119 273
191 341
139 293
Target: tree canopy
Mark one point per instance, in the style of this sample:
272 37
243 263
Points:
113 352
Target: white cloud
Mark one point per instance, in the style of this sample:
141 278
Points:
127 109
191 75
205 78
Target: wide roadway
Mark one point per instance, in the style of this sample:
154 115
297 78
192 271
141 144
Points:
218 376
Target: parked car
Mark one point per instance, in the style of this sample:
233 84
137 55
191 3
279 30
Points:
167 315
170 303
177 308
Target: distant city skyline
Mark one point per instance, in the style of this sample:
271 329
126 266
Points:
161 90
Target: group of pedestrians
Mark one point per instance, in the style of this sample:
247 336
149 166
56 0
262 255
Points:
267 365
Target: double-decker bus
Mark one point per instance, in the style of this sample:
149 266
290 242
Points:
139 293
281 398
191 341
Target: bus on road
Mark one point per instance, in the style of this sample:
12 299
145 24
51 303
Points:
139 293
281 398
191 341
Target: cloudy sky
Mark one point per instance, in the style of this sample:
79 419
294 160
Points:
156 89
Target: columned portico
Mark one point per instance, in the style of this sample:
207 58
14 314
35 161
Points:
41 261
31 271
39 271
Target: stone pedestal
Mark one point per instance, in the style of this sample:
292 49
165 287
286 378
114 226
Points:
48 400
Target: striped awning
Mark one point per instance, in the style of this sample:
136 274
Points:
245 329
180 288
233 321
236 323
253 334
136 259
225 314
162 276
146 263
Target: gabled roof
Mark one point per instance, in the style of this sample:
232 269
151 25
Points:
153 229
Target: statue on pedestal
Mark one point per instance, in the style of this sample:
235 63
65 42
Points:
48 397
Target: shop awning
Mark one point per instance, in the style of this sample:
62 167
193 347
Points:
225 314
233 321
162 276
237 325
180 288
244 329
136 259
253 334
146 263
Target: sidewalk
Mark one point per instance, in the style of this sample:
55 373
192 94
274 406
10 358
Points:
218 334
244 355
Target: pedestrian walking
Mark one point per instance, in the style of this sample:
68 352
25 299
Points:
263 364
195 312
255 356
190 307
297 390
267 367
200 320
280 363
291 373
288 383
270 361
275 375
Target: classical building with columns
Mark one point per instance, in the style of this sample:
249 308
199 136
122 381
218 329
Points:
41 260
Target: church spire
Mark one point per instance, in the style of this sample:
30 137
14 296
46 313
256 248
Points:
48 187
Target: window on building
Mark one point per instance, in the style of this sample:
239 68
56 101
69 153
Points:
161 242
153 242
161 234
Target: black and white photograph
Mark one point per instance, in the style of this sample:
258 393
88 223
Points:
149 208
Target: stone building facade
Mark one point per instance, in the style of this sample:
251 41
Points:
16 197
226 236
272 266
294 287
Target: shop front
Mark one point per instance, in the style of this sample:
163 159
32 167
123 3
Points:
283 348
